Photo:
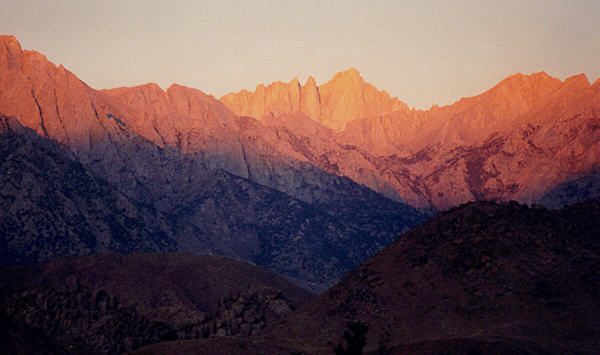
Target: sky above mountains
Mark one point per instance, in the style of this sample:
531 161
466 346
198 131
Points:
423 52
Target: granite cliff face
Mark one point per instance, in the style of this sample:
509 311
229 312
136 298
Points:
516 141
270 152
344 98
54 207
293 178
187 156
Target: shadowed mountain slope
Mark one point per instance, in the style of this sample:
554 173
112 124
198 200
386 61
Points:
265 152
481 271
53 207
569 192
518 140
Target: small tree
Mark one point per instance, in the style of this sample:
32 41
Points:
382 344
354 339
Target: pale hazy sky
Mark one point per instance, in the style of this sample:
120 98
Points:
423 52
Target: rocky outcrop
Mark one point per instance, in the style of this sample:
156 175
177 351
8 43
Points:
271 152
84 320
516 141
114 304
520 154
347 97
168 149
54 207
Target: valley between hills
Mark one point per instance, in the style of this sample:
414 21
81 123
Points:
170 221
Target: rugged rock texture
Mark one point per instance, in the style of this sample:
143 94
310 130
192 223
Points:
516 141
346 97
480 278
112 304
271 154
52 207
314 243
57 105
142 169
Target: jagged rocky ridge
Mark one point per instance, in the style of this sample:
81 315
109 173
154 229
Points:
518 140
113 304
164 157
334 104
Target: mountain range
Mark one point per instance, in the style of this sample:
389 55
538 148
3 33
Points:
108 194
207 180
354 166
516 141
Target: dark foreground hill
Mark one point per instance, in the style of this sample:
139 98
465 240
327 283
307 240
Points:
112 303
480 278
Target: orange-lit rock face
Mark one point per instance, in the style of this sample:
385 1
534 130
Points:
344 98
47 98
511 142
277 152
164 116
514 141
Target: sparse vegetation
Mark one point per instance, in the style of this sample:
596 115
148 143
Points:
354 339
